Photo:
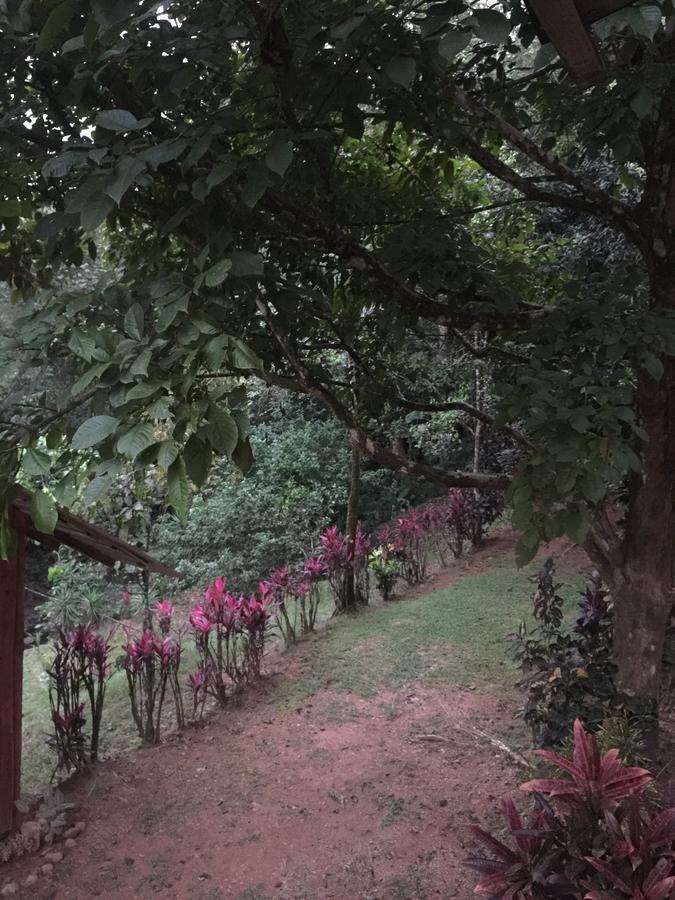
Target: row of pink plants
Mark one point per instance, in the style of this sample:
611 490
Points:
230 631
78 677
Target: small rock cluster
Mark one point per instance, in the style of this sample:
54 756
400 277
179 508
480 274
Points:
47 828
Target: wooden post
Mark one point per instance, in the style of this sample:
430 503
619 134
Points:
11 682
564 27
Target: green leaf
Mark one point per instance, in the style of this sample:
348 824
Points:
526 548
243 456
126 172
94 431
491 26
576 522
43 512
142 390
217 273
593 486
120 120
453 42
242 356
88 377
654 366
134 321
140 365
255 185
245 263
178 488
221 430
198 456
96 211
96 489
36 462
136 440
57 22
167 454
220 172
401 70
279 157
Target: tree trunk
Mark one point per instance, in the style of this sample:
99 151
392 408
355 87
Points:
351 592
641 576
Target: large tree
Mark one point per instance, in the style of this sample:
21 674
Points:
279 186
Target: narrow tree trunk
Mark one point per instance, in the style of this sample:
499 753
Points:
351 594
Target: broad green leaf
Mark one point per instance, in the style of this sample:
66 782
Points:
57 22
140 365
36 462
593 486
401 70
576 522
179 490
255 185
220 172
221 430
43 512
119 120
94 431
142 390
526 548
125 174
491 26
88 377
197 456
136 440
134 321
243 456
96 212
245 263
96 488
242 356
167 454
217 273
453 42
654 366
279 157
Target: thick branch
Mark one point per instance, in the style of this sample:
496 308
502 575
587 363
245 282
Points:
358 436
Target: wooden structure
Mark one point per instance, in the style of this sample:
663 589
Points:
566 24
88 539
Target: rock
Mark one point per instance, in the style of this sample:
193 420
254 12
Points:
54 857
31 834
31 880
11 889
48 839
70 843
71 832
80 826
47 869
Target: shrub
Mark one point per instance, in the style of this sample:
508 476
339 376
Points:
230 634
567 674
385 570
343 563
77 675
152 664
592 835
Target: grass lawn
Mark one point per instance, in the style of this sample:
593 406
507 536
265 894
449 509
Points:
454 635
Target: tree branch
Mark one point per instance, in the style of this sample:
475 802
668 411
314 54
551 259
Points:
357 435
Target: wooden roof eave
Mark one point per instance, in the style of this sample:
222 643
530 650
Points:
86 538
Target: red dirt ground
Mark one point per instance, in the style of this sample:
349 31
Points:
296 804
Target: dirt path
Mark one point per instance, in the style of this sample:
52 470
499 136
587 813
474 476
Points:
340 797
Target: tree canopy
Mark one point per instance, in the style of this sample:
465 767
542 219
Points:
307 193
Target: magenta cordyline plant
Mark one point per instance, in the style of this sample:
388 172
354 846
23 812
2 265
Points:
80 666
152 664
343 562
230 634
295 597
593 835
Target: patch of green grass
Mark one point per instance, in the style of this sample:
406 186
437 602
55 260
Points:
456 634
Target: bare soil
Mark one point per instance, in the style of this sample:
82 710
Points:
341 797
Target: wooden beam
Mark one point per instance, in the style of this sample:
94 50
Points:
563 26
11 682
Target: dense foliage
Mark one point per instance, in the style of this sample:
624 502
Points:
568 672
592 835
